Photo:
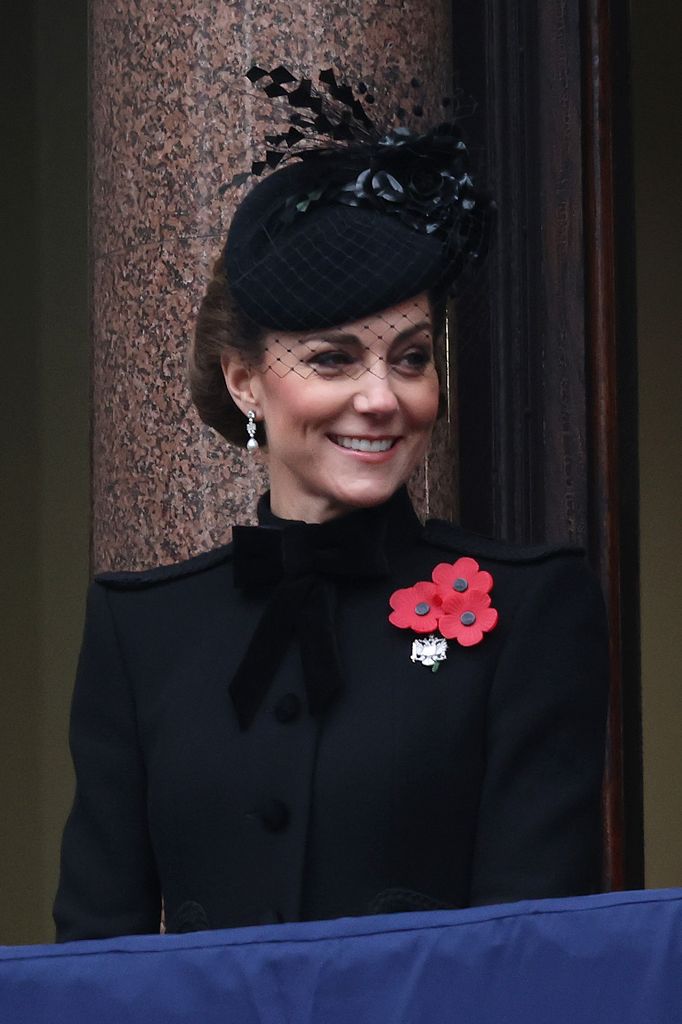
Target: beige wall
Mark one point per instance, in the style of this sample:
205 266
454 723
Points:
656 32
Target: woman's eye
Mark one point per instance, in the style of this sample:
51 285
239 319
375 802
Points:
329 362
415 360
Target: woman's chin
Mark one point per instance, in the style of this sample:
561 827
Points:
364 493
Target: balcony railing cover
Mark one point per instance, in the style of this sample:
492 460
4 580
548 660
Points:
609 958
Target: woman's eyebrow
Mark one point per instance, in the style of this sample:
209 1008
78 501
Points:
346 338
336 337
424 325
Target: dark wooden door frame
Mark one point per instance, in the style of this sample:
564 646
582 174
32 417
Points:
547 364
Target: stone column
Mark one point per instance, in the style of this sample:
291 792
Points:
172 119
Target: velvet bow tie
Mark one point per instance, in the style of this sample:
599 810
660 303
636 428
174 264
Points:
296 564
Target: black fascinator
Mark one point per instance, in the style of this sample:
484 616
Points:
353 218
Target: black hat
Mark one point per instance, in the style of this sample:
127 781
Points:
352 227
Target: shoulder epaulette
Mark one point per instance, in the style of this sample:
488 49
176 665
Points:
447 535
163 573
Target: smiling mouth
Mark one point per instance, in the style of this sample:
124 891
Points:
363 444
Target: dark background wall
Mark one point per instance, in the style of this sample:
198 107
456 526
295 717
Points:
45 434
656 31
44 495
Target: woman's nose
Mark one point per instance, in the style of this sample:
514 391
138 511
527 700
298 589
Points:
375 394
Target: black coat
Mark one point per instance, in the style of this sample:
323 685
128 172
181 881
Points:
479 783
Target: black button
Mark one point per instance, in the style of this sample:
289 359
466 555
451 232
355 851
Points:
274 815
287 708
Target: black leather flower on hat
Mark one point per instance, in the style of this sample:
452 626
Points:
422 179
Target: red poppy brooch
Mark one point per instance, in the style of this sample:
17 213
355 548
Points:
454 606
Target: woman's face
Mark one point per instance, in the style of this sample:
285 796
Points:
348 412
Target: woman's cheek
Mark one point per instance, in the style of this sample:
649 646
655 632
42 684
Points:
423 407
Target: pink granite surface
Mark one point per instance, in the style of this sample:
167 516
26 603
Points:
172 119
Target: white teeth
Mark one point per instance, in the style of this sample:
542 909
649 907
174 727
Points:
361 444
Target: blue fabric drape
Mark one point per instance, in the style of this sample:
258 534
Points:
598 959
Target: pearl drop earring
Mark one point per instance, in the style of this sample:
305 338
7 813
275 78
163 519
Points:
252 443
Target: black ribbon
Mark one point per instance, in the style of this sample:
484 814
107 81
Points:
297 564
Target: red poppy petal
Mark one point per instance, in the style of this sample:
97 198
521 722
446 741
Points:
400 618
451 601
444 575
487 620
425 591
466 567
482 581
477 601
407 619
470 635
425 623
450 626
398 597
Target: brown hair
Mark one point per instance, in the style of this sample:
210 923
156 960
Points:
221 324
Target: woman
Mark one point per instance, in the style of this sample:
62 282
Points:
260 733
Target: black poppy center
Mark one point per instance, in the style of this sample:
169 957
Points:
422 608
467 618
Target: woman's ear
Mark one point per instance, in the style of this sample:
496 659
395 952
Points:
242 381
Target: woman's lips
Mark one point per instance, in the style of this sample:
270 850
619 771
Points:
363 444
373 449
